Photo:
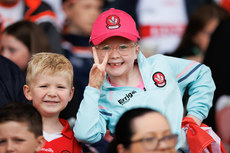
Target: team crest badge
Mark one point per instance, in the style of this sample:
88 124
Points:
159 79
113 22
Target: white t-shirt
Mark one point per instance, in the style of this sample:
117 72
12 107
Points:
50 137
162 23
11 14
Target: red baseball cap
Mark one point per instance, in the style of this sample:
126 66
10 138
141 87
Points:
111 23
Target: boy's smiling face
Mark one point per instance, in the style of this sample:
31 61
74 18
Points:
50 93
16 138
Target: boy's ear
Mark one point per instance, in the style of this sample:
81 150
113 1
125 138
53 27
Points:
27 92
40 143
71 94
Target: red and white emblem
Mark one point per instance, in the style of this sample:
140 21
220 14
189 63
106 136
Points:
159 79
113 22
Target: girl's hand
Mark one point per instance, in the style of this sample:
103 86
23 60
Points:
97 73
198 121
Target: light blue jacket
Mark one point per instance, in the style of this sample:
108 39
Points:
165 80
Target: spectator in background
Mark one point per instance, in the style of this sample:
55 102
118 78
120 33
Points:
12 80
202 23
57 7
36 11
20 129
80 16
142 130
21 40
217 58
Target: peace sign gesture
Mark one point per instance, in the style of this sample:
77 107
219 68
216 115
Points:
97 73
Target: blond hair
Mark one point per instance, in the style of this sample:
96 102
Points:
50 63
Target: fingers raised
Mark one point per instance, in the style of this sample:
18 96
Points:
105 60
96 61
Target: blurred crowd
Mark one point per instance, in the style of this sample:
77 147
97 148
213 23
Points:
192 29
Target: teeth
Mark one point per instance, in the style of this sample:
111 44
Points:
115 64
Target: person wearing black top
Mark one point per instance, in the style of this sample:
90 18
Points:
12 80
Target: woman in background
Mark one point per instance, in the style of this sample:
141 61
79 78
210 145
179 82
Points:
21 40
141 130
201 25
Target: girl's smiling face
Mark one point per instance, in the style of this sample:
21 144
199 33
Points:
122 54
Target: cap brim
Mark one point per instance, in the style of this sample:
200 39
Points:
101 38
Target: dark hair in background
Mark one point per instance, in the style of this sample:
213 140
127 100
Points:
30 34
124 130
217 58
196 23
24 113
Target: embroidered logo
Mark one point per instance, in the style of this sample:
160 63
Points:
113 22
159 79
127 98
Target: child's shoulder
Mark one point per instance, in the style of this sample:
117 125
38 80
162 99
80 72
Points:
156 58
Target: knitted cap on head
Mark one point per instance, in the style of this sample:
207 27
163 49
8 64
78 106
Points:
111 23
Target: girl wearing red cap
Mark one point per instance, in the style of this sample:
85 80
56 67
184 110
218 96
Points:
122 78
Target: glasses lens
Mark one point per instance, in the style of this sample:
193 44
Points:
170 140
150 143
103 49
122 49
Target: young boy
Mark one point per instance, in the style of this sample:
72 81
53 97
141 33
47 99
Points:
122 78
49 85
20 128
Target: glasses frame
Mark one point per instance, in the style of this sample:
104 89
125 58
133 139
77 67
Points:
117 48
144 140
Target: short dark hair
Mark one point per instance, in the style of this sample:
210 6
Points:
22 112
